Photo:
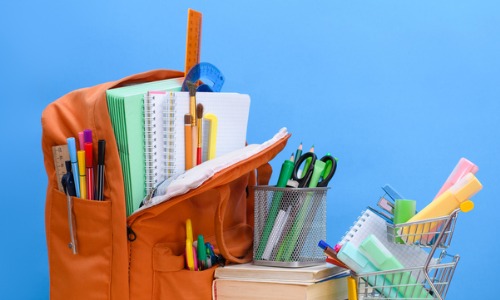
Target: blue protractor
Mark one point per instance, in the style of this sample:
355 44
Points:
207 73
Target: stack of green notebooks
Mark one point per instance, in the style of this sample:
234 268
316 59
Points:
126 109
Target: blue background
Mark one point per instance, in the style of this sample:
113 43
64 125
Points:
397 90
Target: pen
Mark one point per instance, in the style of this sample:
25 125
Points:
285 174
81 172
74 163
199 117
89 170
101 153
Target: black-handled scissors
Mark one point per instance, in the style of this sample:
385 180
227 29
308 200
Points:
308 170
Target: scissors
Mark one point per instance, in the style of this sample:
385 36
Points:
309 160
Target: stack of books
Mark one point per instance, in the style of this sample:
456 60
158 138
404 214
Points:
253 282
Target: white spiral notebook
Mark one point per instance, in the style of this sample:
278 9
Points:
164 129
370 222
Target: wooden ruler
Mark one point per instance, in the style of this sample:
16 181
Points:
61 155
193 39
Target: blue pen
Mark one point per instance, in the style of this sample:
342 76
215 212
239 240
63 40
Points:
74 163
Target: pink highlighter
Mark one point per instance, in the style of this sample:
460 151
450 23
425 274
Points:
463 167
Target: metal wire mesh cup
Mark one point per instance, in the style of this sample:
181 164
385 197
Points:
289 223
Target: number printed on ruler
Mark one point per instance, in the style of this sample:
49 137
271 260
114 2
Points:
193 39
61 155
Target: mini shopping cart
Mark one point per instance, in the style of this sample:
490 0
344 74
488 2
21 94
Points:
429 281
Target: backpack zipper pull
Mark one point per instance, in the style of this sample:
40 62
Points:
131 236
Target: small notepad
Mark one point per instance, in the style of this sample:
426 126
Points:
371 223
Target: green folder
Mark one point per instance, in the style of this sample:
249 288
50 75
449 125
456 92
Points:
126 110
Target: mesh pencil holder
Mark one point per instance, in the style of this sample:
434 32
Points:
289 223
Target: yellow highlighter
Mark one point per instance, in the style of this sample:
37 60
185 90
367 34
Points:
210 124
81 172
443 205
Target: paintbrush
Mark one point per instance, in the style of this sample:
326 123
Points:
188 141
199 117
192 112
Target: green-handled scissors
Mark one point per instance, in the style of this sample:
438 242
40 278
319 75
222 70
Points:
309 160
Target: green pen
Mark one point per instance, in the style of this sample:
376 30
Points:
285 175
202 253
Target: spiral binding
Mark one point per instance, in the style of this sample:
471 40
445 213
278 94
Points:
159 138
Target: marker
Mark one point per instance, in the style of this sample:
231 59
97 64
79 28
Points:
201 253
74 162
101 154
81 139
81 173
89 167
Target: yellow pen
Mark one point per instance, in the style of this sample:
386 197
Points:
81 172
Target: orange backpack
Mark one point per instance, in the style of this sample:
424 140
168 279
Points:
140 256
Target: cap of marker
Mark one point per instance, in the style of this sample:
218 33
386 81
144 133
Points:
72 149
87 136
88 155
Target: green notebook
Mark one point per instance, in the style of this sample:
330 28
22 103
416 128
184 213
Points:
126 110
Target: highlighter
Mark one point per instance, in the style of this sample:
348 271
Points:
356 261
463 167
74 163
81 173
384 260
443 205
211 131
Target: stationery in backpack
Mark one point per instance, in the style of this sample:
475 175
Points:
126 110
